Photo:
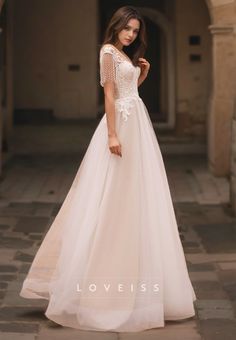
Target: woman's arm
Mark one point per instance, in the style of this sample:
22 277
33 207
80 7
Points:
110 108
145 66
108 77
141 79
114 144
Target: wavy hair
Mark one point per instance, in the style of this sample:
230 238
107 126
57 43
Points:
118 22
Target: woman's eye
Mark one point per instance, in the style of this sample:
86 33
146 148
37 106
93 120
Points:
127 29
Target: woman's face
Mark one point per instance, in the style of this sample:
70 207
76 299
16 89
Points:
129 33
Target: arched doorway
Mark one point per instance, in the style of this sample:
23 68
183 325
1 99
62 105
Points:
165 75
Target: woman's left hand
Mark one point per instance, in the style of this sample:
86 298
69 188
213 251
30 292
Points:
144 65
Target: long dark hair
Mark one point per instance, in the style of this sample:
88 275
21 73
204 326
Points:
118 22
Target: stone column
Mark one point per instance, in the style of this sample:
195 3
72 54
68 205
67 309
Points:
233 164
221 104
1 114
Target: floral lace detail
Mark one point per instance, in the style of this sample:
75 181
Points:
124 106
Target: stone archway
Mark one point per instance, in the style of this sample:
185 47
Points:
209 6
160 20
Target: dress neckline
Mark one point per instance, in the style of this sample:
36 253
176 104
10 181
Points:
123 54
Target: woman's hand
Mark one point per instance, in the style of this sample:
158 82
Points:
144 65
114 145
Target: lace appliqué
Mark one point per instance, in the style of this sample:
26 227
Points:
124 106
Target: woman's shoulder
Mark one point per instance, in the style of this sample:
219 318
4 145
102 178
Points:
107 48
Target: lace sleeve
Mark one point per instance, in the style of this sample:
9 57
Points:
107 67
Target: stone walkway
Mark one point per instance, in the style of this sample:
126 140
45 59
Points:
32 189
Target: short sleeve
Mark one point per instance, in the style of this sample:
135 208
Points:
107 67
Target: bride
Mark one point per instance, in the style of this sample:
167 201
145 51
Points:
117 223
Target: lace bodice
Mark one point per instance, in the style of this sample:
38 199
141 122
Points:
117 68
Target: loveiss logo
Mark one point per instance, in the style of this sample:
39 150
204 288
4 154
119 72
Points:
119 287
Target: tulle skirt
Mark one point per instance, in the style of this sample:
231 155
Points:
112 260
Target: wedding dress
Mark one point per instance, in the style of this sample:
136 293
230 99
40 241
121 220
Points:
112 260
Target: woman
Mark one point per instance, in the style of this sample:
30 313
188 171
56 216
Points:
112 259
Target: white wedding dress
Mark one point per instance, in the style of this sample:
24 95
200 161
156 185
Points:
112 259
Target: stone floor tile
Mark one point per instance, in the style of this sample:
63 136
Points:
56 332
227 265
215 309
209 290
7 255
200 267
17 336
8 220
3 285
204 257
203 276
19 327
15 242
217 237
218 329
7 268
22 313
23 257
177 330
12 298
227 276
32 224
7 277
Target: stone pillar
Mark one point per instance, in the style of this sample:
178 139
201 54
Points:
221 104
233 164
1 113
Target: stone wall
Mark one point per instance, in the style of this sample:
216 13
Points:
48 37
193 77
233 163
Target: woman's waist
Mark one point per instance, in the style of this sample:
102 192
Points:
125 104
127 97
